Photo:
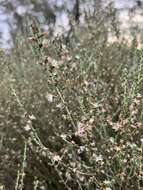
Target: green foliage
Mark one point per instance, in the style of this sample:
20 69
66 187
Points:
71 118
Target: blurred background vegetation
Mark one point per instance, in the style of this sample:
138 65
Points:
16 14
55 15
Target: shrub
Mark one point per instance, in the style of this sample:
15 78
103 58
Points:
71 118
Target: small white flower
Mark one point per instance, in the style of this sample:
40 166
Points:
45 43
141 140
82 178
60 106
99 158
63 136
133 145
112 140
107 182
70 156
108 188
81 149
80 129
27 127
77 57
49 97
56 158
32 117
